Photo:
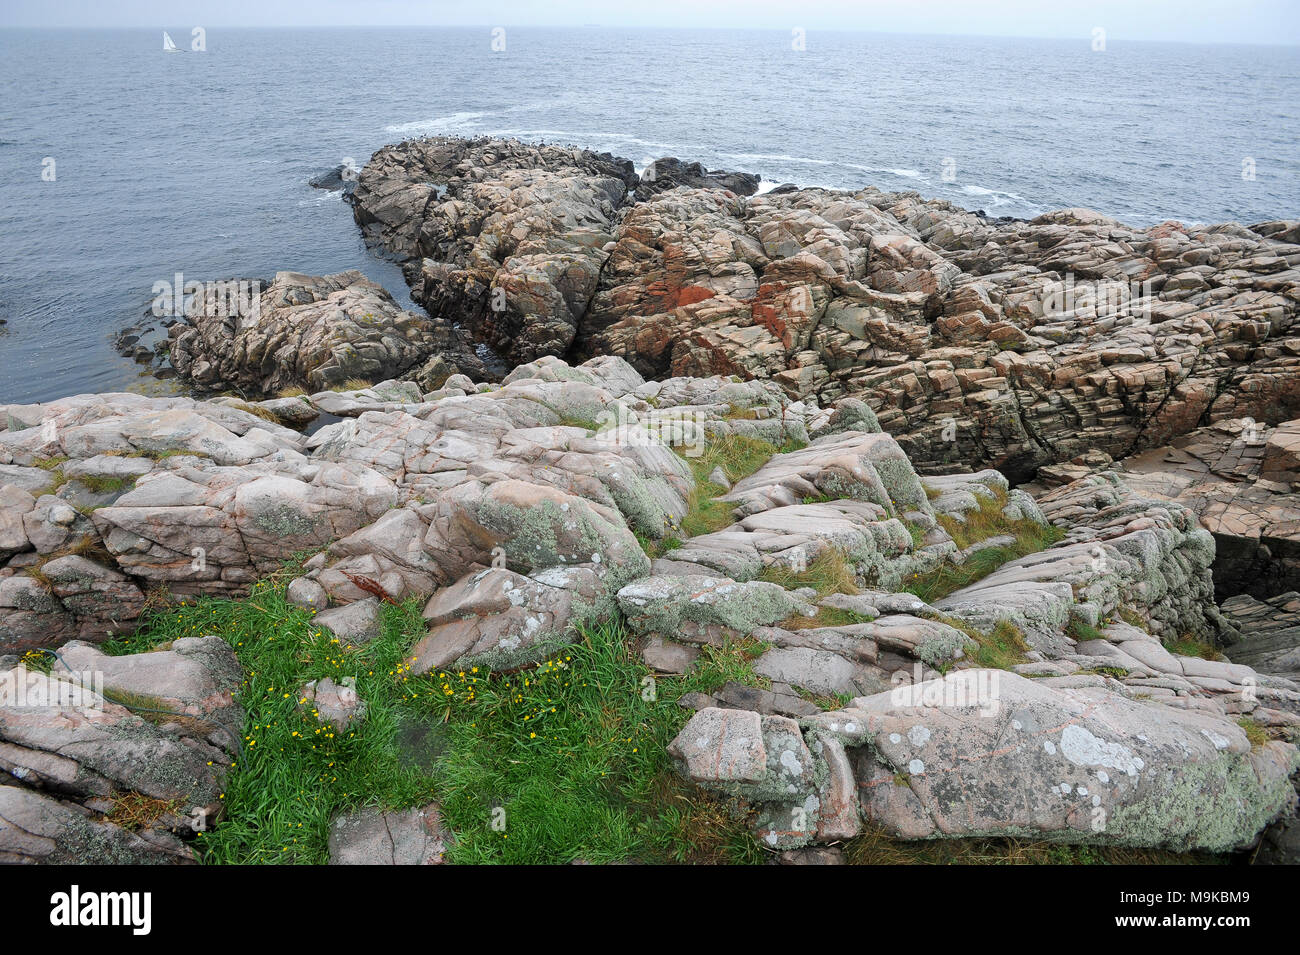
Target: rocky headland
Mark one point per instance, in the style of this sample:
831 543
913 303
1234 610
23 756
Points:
998 520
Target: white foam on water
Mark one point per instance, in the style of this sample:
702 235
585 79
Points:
439 124
324 197
778 157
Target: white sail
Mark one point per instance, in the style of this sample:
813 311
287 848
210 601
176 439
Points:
168 45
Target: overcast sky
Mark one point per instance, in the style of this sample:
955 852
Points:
1197 21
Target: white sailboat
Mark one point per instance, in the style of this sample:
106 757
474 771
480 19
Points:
169 46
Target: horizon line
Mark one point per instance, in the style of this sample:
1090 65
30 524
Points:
1082 37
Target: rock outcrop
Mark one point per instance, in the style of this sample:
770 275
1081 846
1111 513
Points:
504 237
1005 344
116 759
313 332
519 510
980 754
671 173
1242 479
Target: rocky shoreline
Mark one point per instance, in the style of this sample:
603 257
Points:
1016 541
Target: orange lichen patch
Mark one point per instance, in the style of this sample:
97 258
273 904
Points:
694 293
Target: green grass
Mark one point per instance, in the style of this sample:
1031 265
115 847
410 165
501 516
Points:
737 412
828 573
818 499
1080 631
1133 618
54 466
657 548
37 661
573 421
947 578
704 514
1256 733
1000 648
738 456
825 617
101 484
1190 646
574 752
295 774
828 703
733 662
988 521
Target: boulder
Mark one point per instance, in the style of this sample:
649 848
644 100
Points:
372 837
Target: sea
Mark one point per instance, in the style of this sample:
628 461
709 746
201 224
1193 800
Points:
122 166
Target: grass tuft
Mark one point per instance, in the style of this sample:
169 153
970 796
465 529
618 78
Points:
105 484
134 811
988 521
257 411
1189 646
1256 733
1000 648
828 573
826 617
738 456
1080 631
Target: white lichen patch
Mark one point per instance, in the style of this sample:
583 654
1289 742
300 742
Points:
1084 749
918 735
1220 742
790 762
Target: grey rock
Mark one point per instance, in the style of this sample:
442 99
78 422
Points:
354 623
372 837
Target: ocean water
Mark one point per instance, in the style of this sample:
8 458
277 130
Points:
197 163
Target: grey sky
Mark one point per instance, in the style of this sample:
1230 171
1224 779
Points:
1196 21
